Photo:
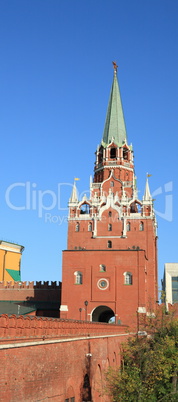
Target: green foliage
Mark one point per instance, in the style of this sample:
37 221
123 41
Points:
149 367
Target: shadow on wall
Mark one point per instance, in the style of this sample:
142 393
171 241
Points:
39 299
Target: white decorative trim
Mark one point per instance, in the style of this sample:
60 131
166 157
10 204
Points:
95 228
108 237
141 310
48 342
105 280
64 307
15 249
114 167
134 199
84 201
150 314
109 203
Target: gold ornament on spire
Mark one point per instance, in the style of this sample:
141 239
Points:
115 66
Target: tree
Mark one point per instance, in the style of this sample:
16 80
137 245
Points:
149 366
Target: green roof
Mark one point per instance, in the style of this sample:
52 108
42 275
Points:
26 307
11 307
15 275
115 125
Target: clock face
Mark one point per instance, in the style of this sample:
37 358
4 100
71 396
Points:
103 284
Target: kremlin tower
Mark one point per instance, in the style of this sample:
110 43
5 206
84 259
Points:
110 265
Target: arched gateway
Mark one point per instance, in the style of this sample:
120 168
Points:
102 314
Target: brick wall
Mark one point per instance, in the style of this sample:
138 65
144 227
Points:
42 298
36 291
48 359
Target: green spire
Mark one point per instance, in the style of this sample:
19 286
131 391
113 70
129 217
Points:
114 125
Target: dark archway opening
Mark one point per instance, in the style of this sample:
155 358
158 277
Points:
103 314
113 153
135 207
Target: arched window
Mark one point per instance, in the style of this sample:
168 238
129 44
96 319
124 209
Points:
77 227
113 153
112 184
78 278
109 227
125 153
85 208
100 155
141 226
128 226
133 208
109 244
90 227
102 268
127 278
109 213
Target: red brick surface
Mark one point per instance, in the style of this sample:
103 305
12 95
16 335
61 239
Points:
122 299
30 291
56 371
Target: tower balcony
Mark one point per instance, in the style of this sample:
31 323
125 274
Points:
81 217
114 163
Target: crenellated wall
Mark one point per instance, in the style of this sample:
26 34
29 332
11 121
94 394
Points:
55 359
16 327
43 298
40 291
27 285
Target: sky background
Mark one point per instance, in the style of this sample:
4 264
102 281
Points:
55 79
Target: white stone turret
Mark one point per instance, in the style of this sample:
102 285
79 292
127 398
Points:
147 196
74 195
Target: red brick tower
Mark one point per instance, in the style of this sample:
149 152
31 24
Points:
110 265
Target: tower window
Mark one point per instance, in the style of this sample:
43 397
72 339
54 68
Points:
133 208
109 213
103 284
128 227
112 184
77 227
141 226
100 155
109 244
113 153
102 268
90 227
174 289
109 227
125 153
78 278
127 278
85 209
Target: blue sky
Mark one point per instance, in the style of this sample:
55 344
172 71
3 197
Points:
55 79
